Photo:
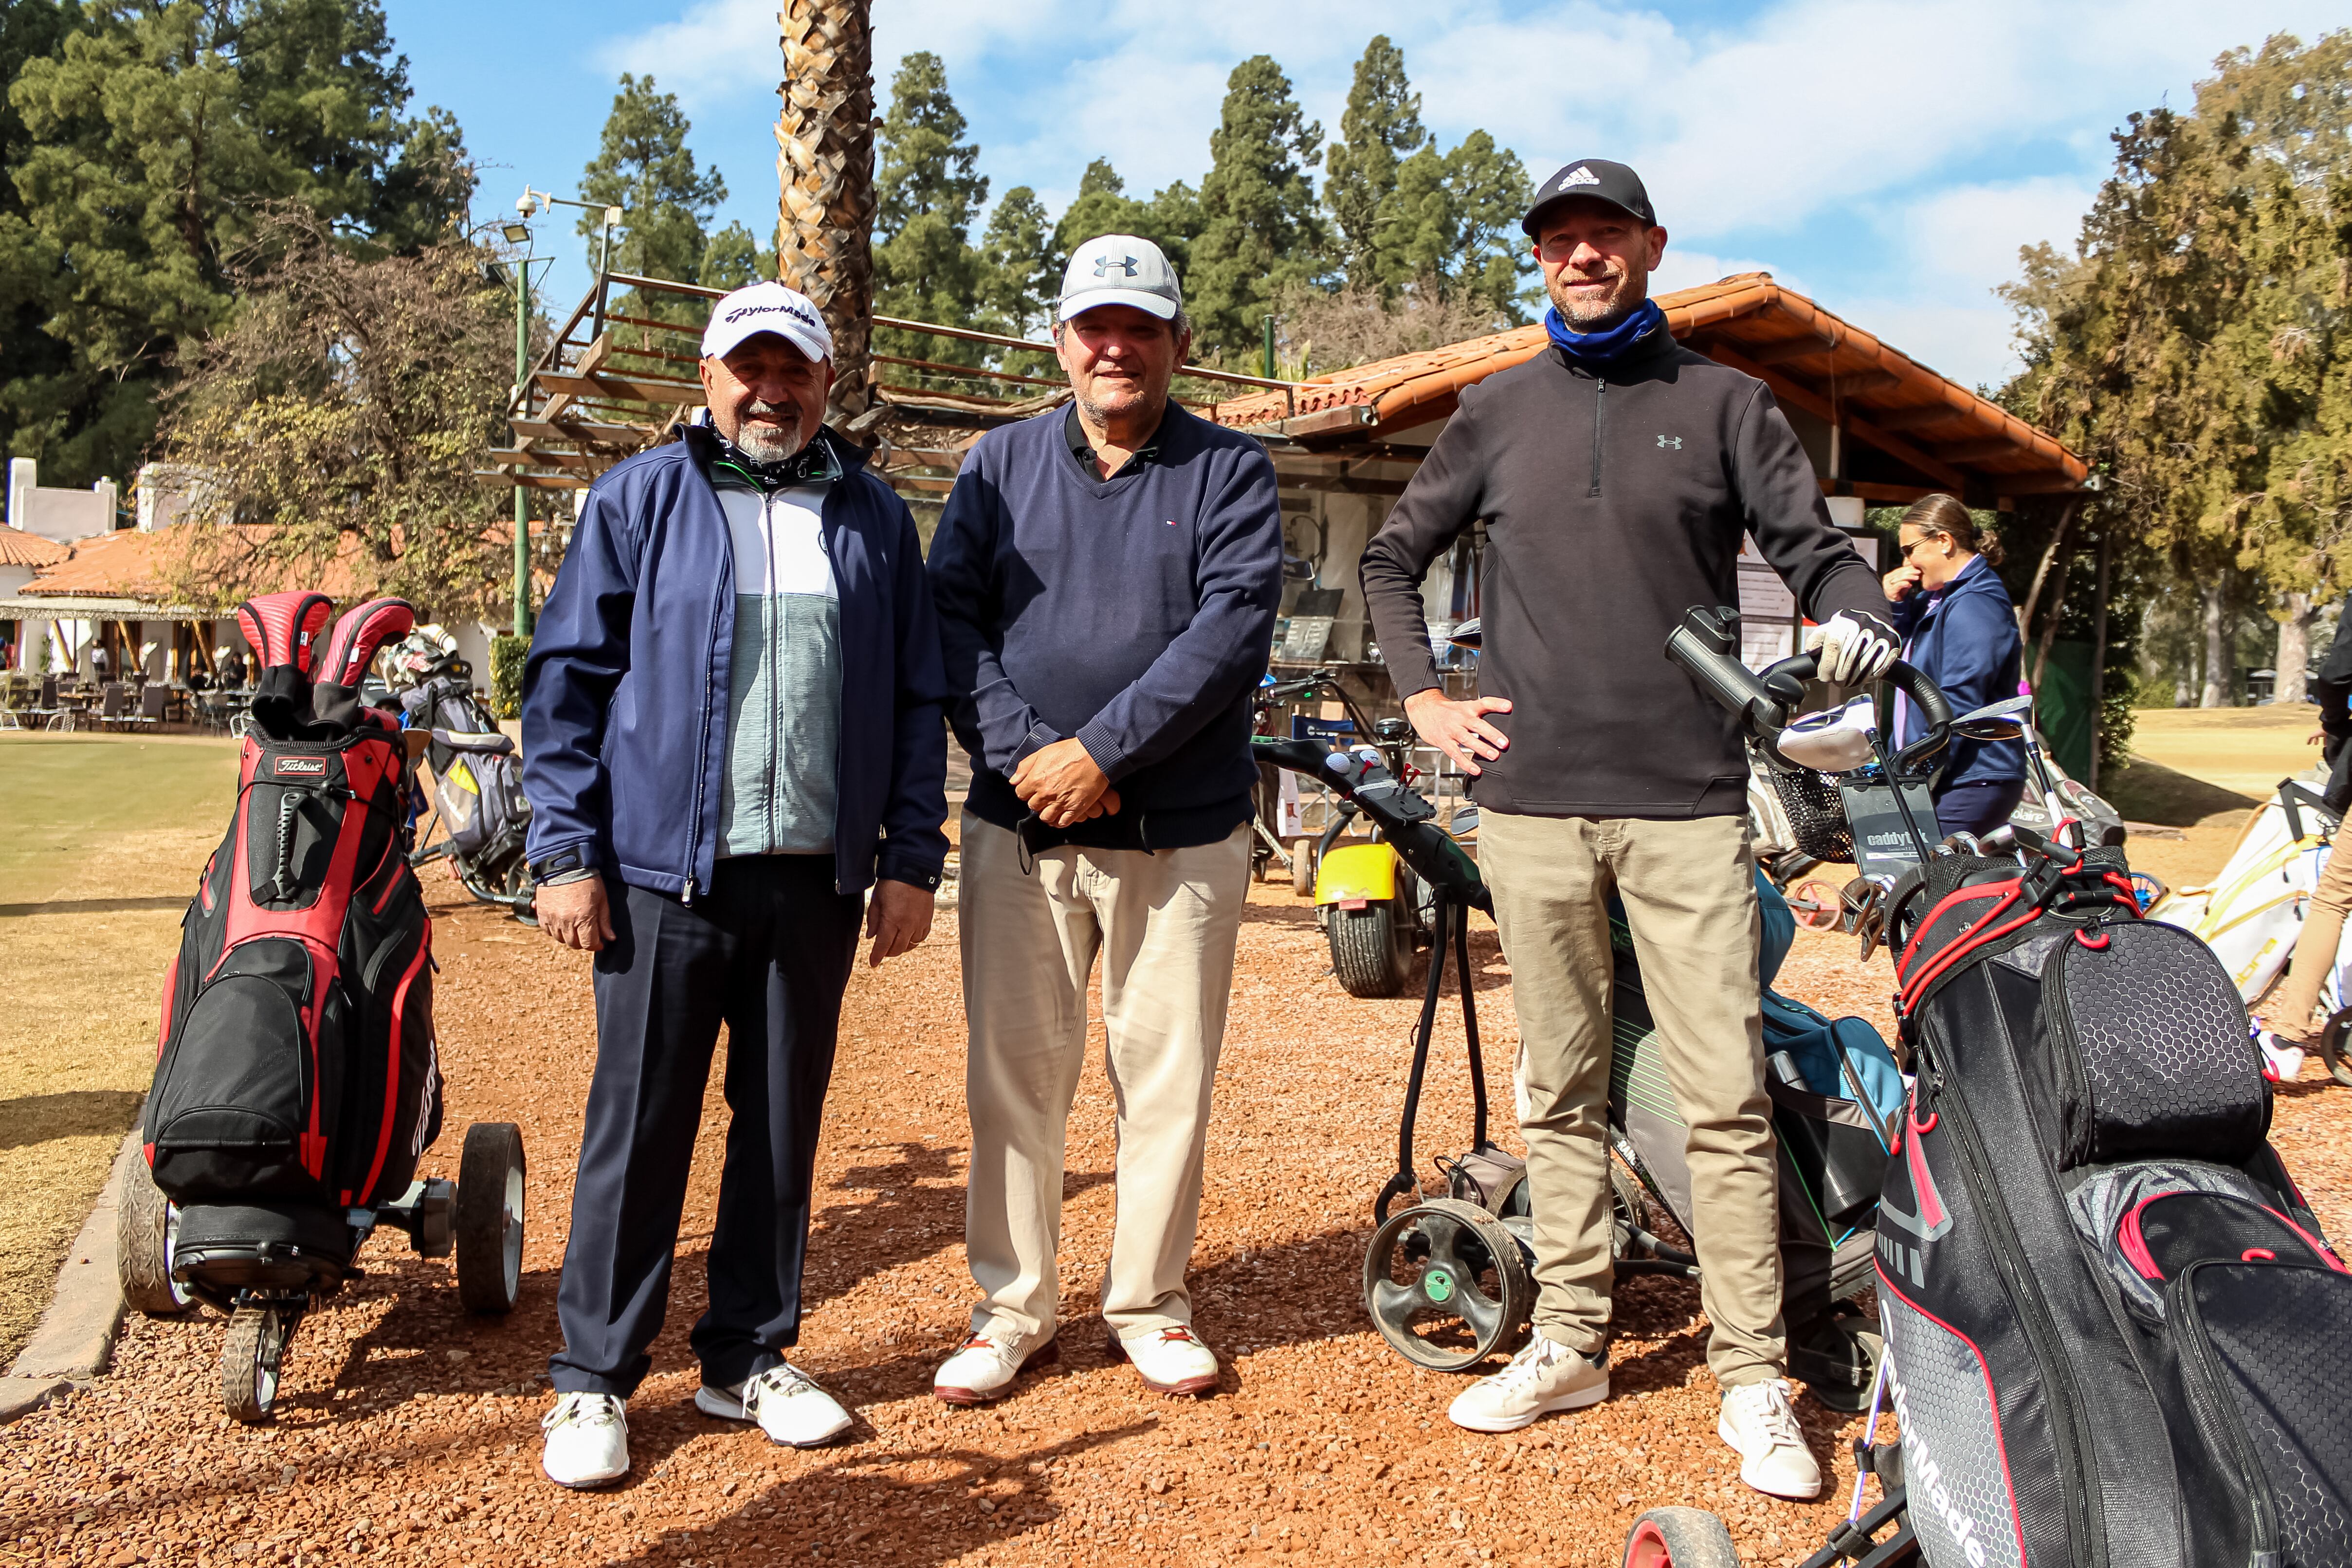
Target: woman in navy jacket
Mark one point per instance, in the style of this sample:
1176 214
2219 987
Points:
1959 629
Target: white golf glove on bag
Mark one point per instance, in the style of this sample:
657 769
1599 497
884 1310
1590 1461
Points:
1852 647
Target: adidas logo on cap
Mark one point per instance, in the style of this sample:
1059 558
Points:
1580 176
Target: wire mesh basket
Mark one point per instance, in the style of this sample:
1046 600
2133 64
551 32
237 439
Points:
1816 813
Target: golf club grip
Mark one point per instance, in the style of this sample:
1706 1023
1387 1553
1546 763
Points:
1925 694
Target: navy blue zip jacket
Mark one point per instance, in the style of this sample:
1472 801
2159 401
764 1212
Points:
1134 614
625 698
1964 638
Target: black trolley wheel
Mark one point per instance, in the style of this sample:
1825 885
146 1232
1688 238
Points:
1679 1538
1836 1358
1445 1284
489 1221
2334 1048
145 1228
1372 948
251 1355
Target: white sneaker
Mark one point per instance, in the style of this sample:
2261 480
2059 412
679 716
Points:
587 1441
1545 1377
1170 1361
2282 1057
1761 1425
786 1403
984 1366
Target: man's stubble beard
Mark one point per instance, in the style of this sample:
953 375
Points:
1630 298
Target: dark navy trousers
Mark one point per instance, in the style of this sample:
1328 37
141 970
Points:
768 953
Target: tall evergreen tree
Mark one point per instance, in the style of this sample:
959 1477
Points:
1261 230
1171 219
733 257
928 198
1380 129
154 133
644 166
1453 225
1020 283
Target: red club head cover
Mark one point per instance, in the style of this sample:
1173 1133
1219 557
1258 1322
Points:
359 634
284 627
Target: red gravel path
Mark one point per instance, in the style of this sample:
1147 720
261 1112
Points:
408 1431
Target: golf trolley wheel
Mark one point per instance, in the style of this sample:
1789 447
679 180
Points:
1302 868
1629 1210
1836 1358
1372 948
1446 1284
145 1226
2335 1046
250 1357
490 1217
1815 905
1680 1538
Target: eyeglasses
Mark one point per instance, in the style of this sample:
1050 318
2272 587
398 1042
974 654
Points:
1905 550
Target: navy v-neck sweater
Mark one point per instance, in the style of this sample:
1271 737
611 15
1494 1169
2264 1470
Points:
1134 612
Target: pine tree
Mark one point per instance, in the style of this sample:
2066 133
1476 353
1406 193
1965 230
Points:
1380 129
1019 282
1260 229
644 166
1453 225
733 257
153 134
1171 219
925 268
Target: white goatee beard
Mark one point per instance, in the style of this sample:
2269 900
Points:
768 444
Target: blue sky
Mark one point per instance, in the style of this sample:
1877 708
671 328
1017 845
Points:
1887 156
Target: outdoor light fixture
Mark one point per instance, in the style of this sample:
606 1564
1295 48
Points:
516 233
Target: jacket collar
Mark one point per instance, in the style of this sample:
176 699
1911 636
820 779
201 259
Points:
702 444
1645 357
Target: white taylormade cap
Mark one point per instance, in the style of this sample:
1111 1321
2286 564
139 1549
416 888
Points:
766 307
1119 270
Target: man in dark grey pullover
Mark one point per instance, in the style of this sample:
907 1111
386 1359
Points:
1107 576
1616 472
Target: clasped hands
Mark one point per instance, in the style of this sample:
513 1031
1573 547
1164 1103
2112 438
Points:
1063 785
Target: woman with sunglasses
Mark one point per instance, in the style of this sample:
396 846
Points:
1959 629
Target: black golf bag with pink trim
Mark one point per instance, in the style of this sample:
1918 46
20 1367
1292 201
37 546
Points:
2114 1333
296 1078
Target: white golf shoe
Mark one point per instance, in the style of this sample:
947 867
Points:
1543 1379
786 1403
1761 1425
1170 1361
587 1441
984 1365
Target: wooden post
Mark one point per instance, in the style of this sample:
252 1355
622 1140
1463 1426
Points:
2099 653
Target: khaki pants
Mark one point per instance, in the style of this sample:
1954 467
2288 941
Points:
2314 952
1165 925
1692 911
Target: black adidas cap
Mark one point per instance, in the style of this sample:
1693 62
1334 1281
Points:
1594 177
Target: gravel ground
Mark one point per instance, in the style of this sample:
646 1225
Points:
407 1431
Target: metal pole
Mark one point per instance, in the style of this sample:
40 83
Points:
521 499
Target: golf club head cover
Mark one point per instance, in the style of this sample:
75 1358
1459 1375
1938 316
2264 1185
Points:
335 699
284 627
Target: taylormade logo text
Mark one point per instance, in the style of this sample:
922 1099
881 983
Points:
1923 1478
795 312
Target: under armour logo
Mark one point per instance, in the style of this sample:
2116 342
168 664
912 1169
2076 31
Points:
1126 264
1580 176
1673 441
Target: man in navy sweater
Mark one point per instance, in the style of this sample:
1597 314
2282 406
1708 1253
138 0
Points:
1107 576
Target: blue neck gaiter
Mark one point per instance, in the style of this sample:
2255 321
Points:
1599 351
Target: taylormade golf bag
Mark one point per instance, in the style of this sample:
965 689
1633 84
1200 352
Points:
2115 1335
295 1075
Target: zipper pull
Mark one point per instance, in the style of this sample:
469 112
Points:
688 896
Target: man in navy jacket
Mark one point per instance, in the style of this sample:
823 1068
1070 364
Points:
731 732
1107 575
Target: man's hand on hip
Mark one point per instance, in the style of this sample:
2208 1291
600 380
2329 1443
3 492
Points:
575 913
1459 728
1062 784
898 917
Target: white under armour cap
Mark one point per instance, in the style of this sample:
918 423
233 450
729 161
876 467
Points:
766 307
1119 270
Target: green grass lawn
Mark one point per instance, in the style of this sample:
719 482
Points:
105 838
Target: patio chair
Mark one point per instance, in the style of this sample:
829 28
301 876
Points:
47 708
154 702
114 705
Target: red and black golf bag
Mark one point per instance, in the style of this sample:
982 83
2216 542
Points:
295 1075
2116 1337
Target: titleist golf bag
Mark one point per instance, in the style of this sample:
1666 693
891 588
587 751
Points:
296 1075
2115 1335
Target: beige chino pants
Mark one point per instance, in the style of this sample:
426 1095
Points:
1165 926
1692 911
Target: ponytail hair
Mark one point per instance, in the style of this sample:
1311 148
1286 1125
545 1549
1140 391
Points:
1941 516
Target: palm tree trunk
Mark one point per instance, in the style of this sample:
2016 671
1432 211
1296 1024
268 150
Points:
824 162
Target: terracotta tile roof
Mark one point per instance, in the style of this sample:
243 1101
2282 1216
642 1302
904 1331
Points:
18 548
132 565
1804 352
